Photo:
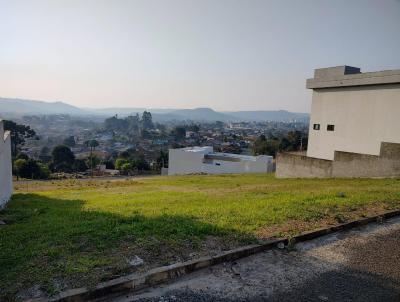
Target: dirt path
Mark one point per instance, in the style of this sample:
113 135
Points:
359 265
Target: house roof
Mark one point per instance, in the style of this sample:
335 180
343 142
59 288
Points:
347 76
234 157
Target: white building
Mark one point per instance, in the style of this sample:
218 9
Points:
5 166
353 111
194 160
354 126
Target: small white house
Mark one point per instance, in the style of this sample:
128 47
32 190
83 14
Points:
194 160
5 166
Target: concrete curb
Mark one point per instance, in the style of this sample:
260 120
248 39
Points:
135 282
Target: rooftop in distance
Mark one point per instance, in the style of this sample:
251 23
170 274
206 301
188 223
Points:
210 154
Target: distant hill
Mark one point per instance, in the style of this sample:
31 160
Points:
209 115
278 115
200 114
29 107
20 106
125 111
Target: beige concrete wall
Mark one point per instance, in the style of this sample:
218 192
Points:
344 165
289 165
387 164
363 117
5 166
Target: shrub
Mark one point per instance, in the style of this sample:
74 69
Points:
31 169
120 162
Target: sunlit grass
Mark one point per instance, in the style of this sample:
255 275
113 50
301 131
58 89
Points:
69 233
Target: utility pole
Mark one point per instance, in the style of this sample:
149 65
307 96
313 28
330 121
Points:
301 143
91 161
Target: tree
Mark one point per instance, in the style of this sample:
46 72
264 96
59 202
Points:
93 161
115 124
31 169
22 155
19 133
133 128
123 165
63 159
45 155
80 165
147 120
120 162
124 154
141 164
179 132
19 165
194 127
162 159
292 141
109 164
266 146
44 171
69 141
126 168
92 144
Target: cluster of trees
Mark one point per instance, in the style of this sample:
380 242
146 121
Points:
19 133
179 132
292 141
129 162
62 159
22 165
29 168
133 125
140 126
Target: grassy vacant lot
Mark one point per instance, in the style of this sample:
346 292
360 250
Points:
65 234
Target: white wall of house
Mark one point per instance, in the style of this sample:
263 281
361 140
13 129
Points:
182 161
192 160
5 166
363 117
260 165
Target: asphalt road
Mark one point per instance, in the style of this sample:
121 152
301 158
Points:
358 265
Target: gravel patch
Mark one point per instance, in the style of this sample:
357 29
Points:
362 264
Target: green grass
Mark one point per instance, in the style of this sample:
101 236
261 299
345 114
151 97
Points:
71 233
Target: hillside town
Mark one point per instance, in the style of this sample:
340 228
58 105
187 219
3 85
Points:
102 147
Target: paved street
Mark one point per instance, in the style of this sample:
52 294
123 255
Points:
358 265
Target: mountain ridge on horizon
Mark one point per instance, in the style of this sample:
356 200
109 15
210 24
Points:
36 107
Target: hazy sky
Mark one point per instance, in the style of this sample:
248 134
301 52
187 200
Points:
224 54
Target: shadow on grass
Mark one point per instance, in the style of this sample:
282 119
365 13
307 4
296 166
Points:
50 244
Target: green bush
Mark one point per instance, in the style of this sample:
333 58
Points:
31 169
120 162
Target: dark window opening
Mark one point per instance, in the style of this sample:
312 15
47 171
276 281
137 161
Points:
330 128
316 126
